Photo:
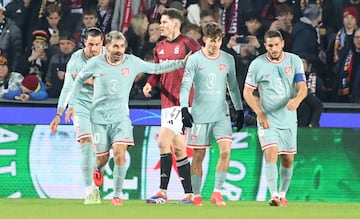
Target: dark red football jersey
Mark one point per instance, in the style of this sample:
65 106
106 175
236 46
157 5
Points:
171 82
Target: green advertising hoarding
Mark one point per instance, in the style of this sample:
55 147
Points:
37 163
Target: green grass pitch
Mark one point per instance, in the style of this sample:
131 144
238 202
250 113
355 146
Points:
138 209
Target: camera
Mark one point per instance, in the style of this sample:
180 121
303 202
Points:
242 39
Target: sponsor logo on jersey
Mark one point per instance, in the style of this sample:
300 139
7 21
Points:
125 72
222 68
288 70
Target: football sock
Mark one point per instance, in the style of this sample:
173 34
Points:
285 179
271 174
196 184
165 170
183 166
87 164
119 174
219 180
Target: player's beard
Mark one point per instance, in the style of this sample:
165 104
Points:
275 56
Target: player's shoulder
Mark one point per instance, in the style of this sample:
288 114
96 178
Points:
292 56
226 55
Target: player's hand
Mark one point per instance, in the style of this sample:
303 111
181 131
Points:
263 121
147 90
69 114
54 123
187 118
239 119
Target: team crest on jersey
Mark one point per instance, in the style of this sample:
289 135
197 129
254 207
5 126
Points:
222 68
193 138
125 72
288 70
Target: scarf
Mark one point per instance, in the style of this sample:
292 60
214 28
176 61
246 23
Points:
230 20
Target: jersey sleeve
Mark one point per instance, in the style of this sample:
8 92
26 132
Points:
159 68
187 81
68 83
86 72
233 86
299 70
251 80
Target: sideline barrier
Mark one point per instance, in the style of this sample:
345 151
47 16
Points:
36 163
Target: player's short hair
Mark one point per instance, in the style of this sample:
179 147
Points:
94 32
173 13
272 34
213 30
114 35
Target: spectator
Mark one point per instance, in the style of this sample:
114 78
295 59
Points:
344 37
310 109
284 22
305 36
105 11
193 31
151 38
136 34
89 19
11 44
194 11
155 12
57 65
123 13
349 83
8 80
36 56
32 88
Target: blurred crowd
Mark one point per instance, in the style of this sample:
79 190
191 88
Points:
37 38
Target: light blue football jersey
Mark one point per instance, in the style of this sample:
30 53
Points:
276 82
75 64
211 79
112 84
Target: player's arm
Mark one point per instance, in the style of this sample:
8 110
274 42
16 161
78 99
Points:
185 88
85 73
301 93
233 86
64 95
152 80
159 68
301 88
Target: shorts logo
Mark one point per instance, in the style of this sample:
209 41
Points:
171 122
125 72
222 68
288 70
193 138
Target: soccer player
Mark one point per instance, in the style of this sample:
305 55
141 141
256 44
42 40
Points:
175 46
114 74
280 80
211 71
93 47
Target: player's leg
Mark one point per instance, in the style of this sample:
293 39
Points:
196 174
101 149
269 139
180 152
165 139
223 133
120 141
198 139
288 148
83 131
